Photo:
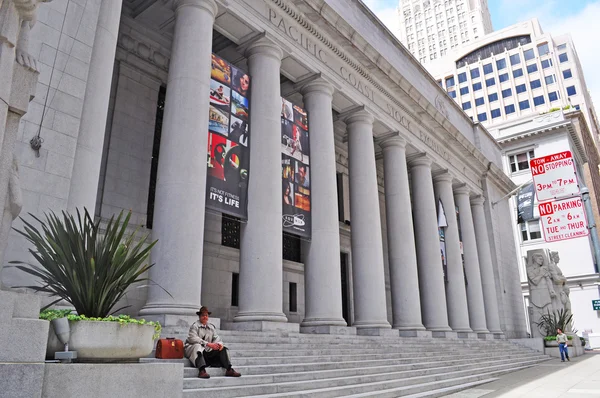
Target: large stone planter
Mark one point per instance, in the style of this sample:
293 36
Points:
97 340
574 346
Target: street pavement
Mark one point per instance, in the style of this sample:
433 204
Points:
579 378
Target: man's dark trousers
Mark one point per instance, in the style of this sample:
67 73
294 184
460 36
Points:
214 358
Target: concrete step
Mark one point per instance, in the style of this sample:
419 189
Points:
344 386
375 373
408 346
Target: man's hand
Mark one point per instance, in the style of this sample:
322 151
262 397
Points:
215 346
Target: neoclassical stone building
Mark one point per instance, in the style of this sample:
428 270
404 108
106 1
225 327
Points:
122 105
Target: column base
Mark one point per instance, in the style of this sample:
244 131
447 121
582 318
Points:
169 315
416 326
444 335
467 335
381 332
328 329
261 317
179 321
416 333
262 326
323 322
499 336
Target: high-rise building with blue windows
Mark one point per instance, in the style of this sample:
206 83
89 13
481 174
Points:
517 71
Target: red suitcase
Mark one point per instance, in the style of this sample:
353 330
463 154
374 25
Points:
169 348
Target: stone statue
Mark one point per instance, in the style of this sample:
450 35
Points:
548 291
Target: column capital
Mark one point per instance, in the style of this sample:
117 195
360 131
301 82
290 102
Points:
317 85
421 159
263 46
443 176
478 200
463 189
391 140
208 5
358 116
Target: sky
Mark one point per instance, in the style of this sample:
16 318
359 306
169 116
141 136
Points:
580 18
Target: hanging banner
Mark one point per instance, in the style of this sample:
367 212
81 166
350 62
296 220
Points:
295 170
228 139
525 203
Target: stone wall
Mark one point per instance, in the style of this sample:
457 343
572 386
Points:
45 179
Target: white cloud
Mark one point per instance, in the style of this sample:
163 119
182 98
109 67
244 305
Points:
386 12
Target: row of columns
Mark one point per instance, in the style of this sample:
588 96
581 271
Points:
414 251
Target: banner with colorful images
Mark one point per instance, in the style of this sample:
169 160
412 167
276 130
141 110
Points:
295 170
228 139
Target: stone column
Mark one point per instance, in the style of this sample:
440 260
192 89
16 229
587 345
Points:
261 264
431 278
488 284
402 254
474 290
181 182
90 141
456 295
367 247
322 278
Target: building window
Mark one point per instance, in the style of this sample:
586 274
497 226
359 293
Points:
546 63
160 109
528 54
508 109
476 86
500 64
561 47
293 297
439 82
520 161
495 113
230 231
506 93
553 96
538 100
515 59
490 82
536 84
487 69
462 77
292 248
482 117
543 49
503 77
475 73
550 79
450 82
464 90
452 94
530 230
532 68
479 101
571 91
235 289
567 74
524 104
563 58
339 179
466 105
518 73
521 88
493 97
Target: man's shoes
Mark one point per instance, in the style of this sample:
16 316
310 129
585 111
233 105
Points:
202 374
232 373
568 359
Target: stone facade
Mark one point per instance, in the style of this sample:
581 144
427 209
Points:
390 124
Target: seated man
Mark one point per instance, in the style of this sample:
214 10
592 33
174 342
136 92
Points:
204 347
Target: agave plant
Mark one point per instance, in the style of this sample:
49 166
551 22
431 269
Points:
79 264
560 319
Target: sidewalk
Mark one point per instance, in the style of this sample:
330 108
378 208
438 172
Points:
578 378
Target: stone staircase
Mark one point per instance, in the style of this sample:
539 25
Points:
282 364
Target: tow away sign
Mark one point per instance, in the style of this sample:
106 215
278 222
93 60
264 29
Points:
554 176
563 219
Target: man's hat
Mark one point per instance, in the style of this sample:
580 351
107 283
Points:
203 309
